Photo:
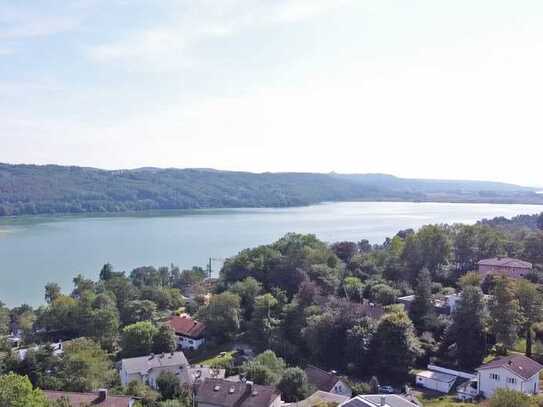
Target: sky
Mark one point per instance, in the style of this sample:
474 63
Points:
424 89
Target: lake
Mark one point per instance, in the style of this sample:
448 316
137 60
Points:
36 250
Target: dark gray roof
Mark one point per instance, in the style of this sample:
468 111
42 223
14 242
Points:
321 379
519 364
146 363
223 393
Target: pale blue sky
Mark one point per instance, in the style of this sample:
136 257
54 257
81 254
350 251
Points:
441 89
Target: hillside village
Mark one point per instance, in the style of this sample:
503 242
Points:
448 315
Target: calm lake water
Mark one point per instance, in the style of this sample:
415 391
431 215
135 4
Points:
36 250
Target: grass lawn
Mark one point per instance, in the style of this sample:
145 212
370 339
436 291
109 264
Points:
207 355
217 357
431 399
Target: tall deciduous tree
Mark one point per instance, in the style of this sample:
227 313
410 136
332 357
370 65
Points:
264 322
52 292
422 310
504 312
531 304
85 366
394 345
164 340
247 289
137 339
467 331
294 385
168 385
222 316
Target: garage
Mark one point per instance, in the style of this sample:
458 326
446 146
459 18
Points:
436 381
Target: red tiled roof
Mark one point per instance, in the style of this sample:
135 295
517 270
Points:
186 326
506 262
520 365
88 399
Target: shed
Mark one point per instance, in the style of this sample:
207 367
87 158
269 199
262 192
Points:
441 382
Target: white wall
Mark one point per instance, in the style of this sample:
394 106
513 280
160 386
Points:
488 386
342 389
188 343
150 378
432 384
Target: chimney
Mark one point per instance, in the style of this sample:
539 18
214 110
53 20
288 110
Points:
250 385
102 395
383 401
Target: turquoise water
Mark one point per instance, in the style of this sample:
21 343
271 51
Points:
36 250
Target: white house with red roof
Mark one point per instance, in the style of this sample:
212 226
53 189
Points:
190 333
516 372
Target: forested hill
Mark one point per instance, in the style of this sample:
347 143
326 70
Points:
31 189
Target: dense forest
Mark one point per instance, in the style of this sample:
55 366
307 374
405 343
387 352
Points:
31 189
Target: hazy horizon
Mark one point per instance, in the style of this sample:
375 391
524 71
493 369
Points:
424 89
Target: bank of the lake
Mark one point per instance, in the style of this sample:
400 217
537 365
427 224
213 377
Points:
35 250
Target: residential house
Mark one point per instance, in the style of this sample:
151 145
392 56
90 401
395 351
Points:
505 266
327 381
516 372
146 369
100 399
189 332
378 400
223 393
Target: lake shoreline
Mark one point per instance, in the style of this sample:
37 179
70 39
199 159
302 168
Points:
39 249
173 212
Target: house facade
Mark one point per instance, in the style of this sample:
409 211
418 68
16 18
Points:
147 369
505 266
517 372
189 332
327 381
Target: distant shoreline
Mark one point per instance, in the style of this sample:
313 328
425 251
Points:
21 219
36 190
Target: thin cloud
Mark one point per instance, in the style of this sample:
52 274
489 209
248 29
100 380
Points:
173 45
17 22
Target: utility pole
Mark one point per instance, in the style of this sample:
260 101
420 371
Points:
210 262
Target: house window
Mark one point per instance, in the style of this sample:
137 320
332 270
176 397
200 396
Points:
511 380
495 376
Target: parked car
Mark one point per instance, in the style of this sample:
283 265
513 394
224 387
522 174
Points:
386 389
